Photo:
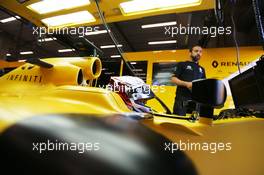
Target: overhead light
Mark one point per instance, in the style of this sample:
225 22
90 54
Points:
115 56
162 42
69 19
47 39
26 53
133 63
8 54
47 6
110 46
139 70
159 24
21 61
138 6
9 19
66 50
157 51
96 32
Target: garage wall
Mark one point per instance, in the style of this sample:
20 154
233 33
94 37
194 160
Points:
219 63
5 45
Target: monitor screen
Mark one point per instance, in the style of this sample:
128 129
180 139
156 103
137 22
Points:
247 90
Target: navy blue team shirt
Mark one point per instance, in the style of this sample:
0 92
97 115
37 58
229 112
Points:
186 71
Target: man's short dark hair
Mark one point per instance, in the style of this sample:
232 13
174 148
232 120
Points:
191 48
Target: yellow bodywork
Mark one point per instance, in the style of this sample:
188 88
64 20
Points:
32 90
56 94
23 100
245 136
64 72
6 64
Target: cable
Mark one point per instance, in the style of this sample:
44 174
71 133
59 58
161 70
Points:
120 51
219 12
235 37
259 18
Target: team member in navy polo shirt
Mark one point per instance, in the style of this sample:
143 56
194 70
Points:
184 74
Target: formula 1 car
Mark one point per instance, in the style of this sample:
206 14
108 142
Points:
54 120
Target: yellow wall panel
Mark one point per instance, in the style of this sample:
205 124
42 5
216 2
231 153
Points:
219 63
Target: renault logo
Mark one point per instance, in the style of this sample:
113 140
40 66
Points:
215 64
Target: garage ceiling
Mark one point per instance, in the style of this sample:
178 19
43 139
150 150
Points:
111 9
128 33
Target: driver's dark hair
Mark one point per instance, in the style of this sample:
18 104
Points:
191 48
